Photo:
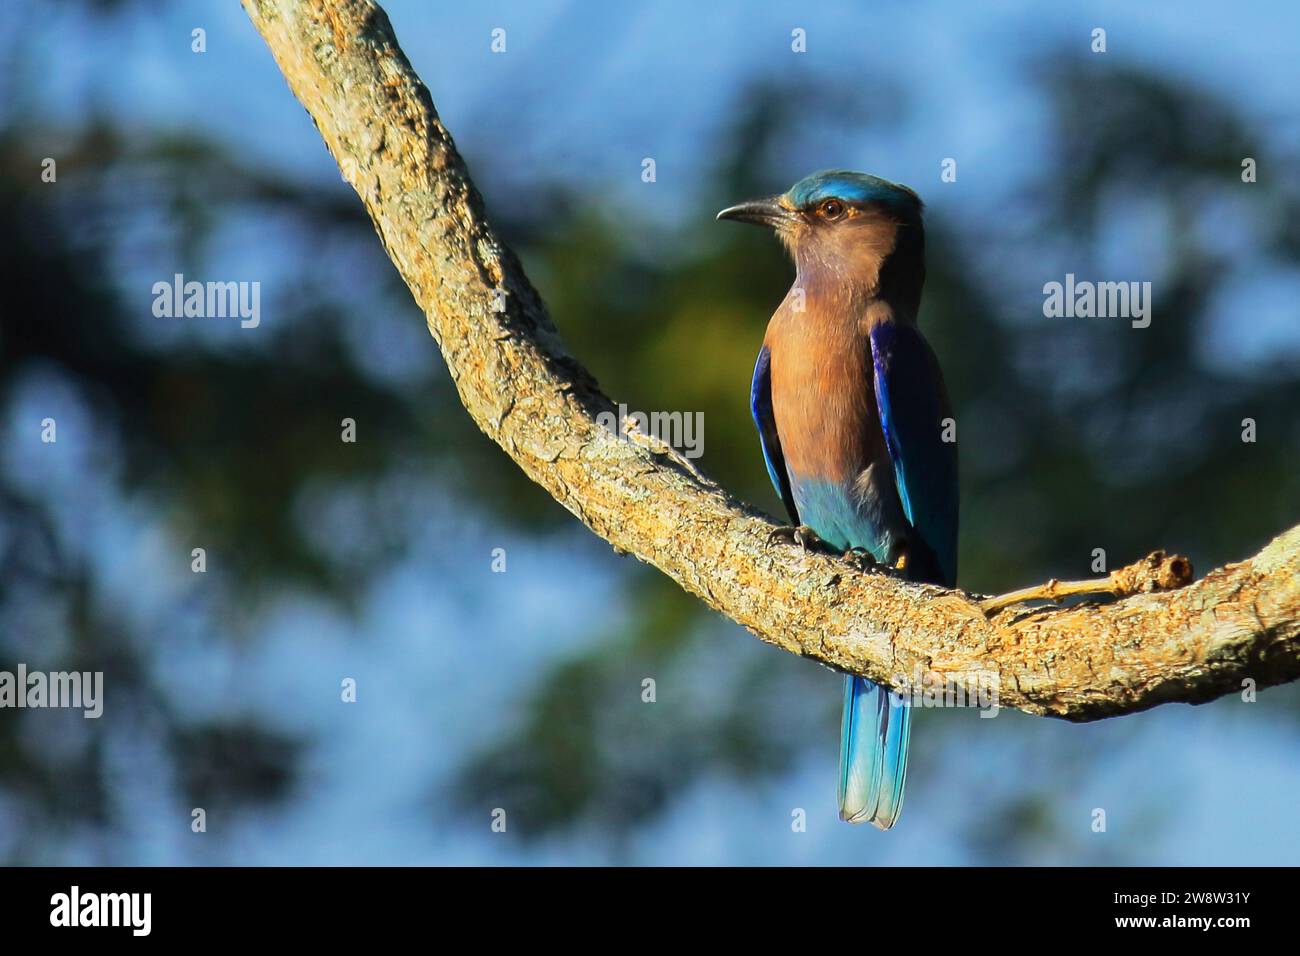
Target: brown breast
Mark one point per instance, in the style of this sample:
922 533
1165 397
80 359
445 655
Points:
822 394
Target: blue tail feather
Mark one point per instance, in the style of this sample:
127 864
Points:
873 753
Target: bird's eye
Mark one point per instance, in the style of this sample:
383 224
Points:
831 209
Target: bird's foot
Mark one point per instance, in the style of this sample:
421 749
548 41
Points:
802 535
861 559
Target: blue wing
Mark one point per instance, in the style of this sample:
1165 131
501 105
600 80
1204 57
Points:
913 404
760 404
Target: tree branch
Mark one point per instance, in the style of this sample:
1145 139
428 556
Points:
523 389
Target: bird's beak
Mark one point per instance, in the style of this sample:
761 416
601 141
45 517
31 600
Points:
764 212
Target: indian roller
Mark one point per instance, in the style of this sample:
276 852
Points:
851 411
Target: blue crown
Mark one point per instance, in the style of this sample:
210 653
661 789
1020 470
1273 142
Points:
854 188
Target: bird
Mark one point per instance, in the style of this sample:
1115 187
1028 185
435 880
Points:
855 425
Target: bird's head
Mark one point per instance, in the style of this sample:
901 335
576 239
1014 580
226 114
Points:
844 226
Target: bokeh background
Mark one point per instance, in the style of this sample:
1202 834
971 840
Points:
372 560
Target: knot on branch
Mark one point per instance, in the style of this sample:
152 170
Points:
1158 571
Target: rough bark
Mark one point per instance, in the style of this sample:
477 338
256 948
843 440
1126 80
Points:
1240 622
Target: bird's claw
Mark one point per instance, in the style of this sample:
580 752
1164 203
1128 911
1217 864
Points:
802 535
861 559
